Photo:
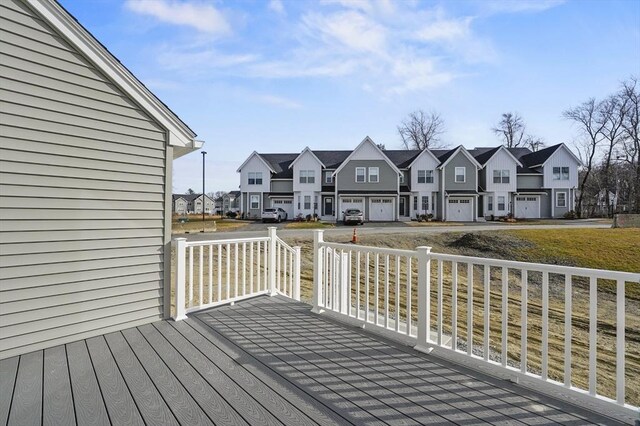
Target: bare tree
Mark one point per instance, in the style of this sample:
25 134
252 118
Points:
534 143
611 114
511 129
586 116
630 91
422 130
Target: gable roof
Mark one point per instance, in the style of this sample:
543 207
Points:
253 154
306 149
402 158
419 153
188 197
332 159
539 158
280 164
446 156
180 135
483 156
367 140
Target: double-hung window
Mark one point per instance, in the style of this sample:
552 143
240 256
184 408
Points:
307 176
490 203
255 202
307 202
501 176
501 204
425 176
561 173
255 178
327 177
361 174
425 203
374 174
415 203
561 199
461 174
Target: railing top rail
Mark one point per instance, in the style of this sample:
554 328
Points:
381 250
285 245
227 241
554 269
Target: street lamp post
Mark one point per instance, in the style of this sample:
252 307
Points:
204 203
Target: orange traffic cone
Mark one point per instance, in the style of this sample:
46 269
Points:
354 239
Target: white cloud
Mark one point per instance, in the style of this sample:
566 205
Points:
203 17
276 6
349 29
502 6
445 30
279 101
363 5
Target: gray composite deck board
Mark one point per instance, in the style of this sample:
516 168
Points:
267 361
57 400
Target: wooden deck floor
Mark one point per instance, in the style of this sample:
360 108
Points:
263 361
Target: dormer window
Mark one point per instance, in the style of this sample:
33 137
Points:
307 176
561 173
255 178
461 174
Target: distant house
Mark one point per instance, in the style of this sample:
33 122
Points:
192 203
389 185
231 202
81 136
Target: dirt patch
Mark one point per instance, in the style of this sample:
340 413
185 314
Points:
487 245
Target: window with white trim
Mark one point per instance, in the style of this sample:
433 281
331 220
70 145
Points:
425 176
328 178
415 203
561 173
501 204
374 174
255 202
299 202
315 202
425 203
307 176
490 203
255 178
461 174
501 176
361 174
307 202
561 199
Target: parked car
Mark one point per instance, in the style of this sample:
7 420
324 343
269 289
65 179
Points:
274 215
353 216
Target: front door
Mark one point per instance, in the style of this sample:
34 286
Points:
328 206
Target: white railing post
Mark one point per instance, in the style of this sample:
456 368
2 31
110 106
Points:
181 253
345 271
424 278
317 271
272 266
296 273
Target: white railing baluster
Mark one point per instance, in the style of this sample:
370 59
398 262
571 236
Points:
236 259
244 268
593 332
439 317
201 273
190 276
219 272
505 315
568 309
251 267
469 308
486 280
424 269
265 266
228 255
349 283
523 319
210 273
620 341
397 294
386 291
376 282
296 274
358 284
409 308
366 313
278 267
454 305
545 325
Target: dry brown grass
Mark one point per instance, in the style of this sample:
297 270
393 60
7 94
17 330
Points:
211 224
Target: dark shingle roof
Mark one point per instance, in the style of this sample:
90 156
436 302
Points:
188 197
444 154
483 155
519 152
538 157
402 157
280 163
332 159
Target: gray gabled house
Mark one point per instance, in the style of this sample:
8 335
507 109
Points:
85 165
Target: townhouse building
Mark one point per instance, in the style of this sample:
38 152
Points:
397 185
192 203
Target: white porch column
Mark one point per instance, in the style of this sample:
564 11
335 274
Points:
317 271
181 252
424 300
272 265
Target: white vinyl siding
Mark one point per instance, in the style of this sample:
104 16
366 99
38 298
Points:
82 204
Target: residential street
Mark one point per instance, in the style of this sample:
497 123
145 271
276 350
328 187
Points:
260 229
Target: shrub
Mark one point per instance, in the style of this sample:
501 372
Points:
232 215
571 214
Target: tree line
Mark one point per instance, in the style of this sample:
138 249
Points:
607 142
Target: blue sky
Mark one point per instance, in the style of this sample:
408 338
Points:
276 76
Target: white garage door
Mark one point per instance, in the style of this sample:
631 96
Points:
351 203
528 207
459 210
284 204
381 209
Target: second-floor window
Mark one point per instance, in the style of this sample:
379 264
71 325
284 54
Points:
307 176
560 173
501 204
327 177
461 174
255 178
425 176
374 174
501 176
361 174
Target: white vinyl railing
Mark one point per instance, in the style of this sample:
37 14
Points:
212 273
531 319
